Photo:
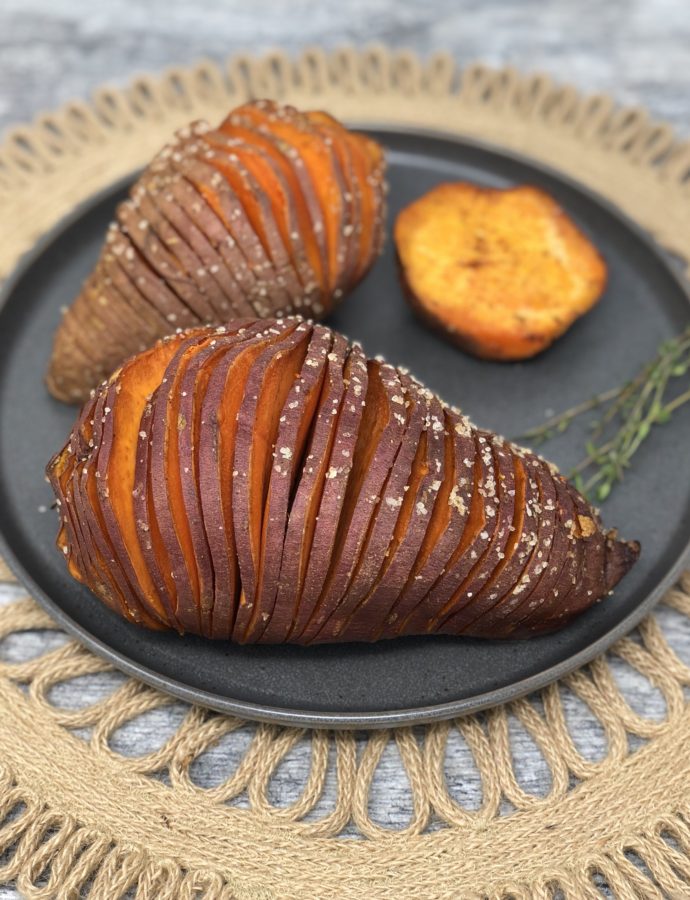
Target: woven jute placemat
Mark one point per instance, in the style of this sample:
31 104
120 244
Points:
75 814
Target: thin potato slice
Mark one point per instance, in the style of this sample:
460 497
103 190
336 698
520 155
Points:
542 544
303 185
103 551
418 506
277 222
384 521
140 226
447 523
266 390
517 550
166 486
465 596
217 432
299 228
383 425
320 163
325 533
302 519
195 377
480 525
295 425
563 562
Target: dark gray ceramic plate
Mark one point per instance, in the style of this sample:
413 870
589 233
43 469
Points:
410 680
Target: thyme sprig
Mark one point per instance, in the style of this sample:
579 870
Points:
627 415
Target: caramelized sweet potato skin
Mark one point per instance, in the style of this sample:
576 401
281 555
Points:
264 482
276 212
502 273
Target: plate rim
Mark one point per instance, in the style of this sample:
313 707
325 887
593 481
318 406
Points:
261 712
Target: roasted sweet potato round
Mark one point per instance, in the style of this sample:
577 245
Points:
502 273
265 482
275 212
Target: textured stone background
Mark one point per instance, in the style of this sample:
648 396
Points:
54 50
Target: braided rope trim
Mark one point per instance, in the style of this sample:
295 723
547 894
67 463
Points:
93 817
620 152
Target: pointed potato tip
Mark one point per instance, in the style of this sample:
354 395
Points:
621 556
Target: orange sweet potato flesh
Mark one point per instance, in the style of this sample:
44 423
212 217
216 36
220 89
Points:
502 273
366 158
317 159
136 383
225 429
265 394
264 143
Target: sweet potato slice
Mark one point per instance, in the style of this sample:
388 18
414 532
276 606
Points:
350 428
388 510
563 575
207 200
604 560
321 165
114 322
180 200
419 503
517 551
277 221
103 550
255 268
154 289
294 206
367 168
168 207
542 543
447 524
563 562
166 486
152 323
102 580
217 431
503 273
192 389
117 464
151 545
267 388
303 514
470 547
335 136
383 425
461 606
61 468
276 263
535 555
135 596
295 425
141 226
314 221
78 343
286 211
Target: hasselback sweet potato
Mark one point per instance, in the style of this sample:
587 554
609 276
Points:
274 212
265 482
502 273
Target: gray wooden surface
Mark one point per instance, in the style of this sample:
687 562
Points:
54 50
